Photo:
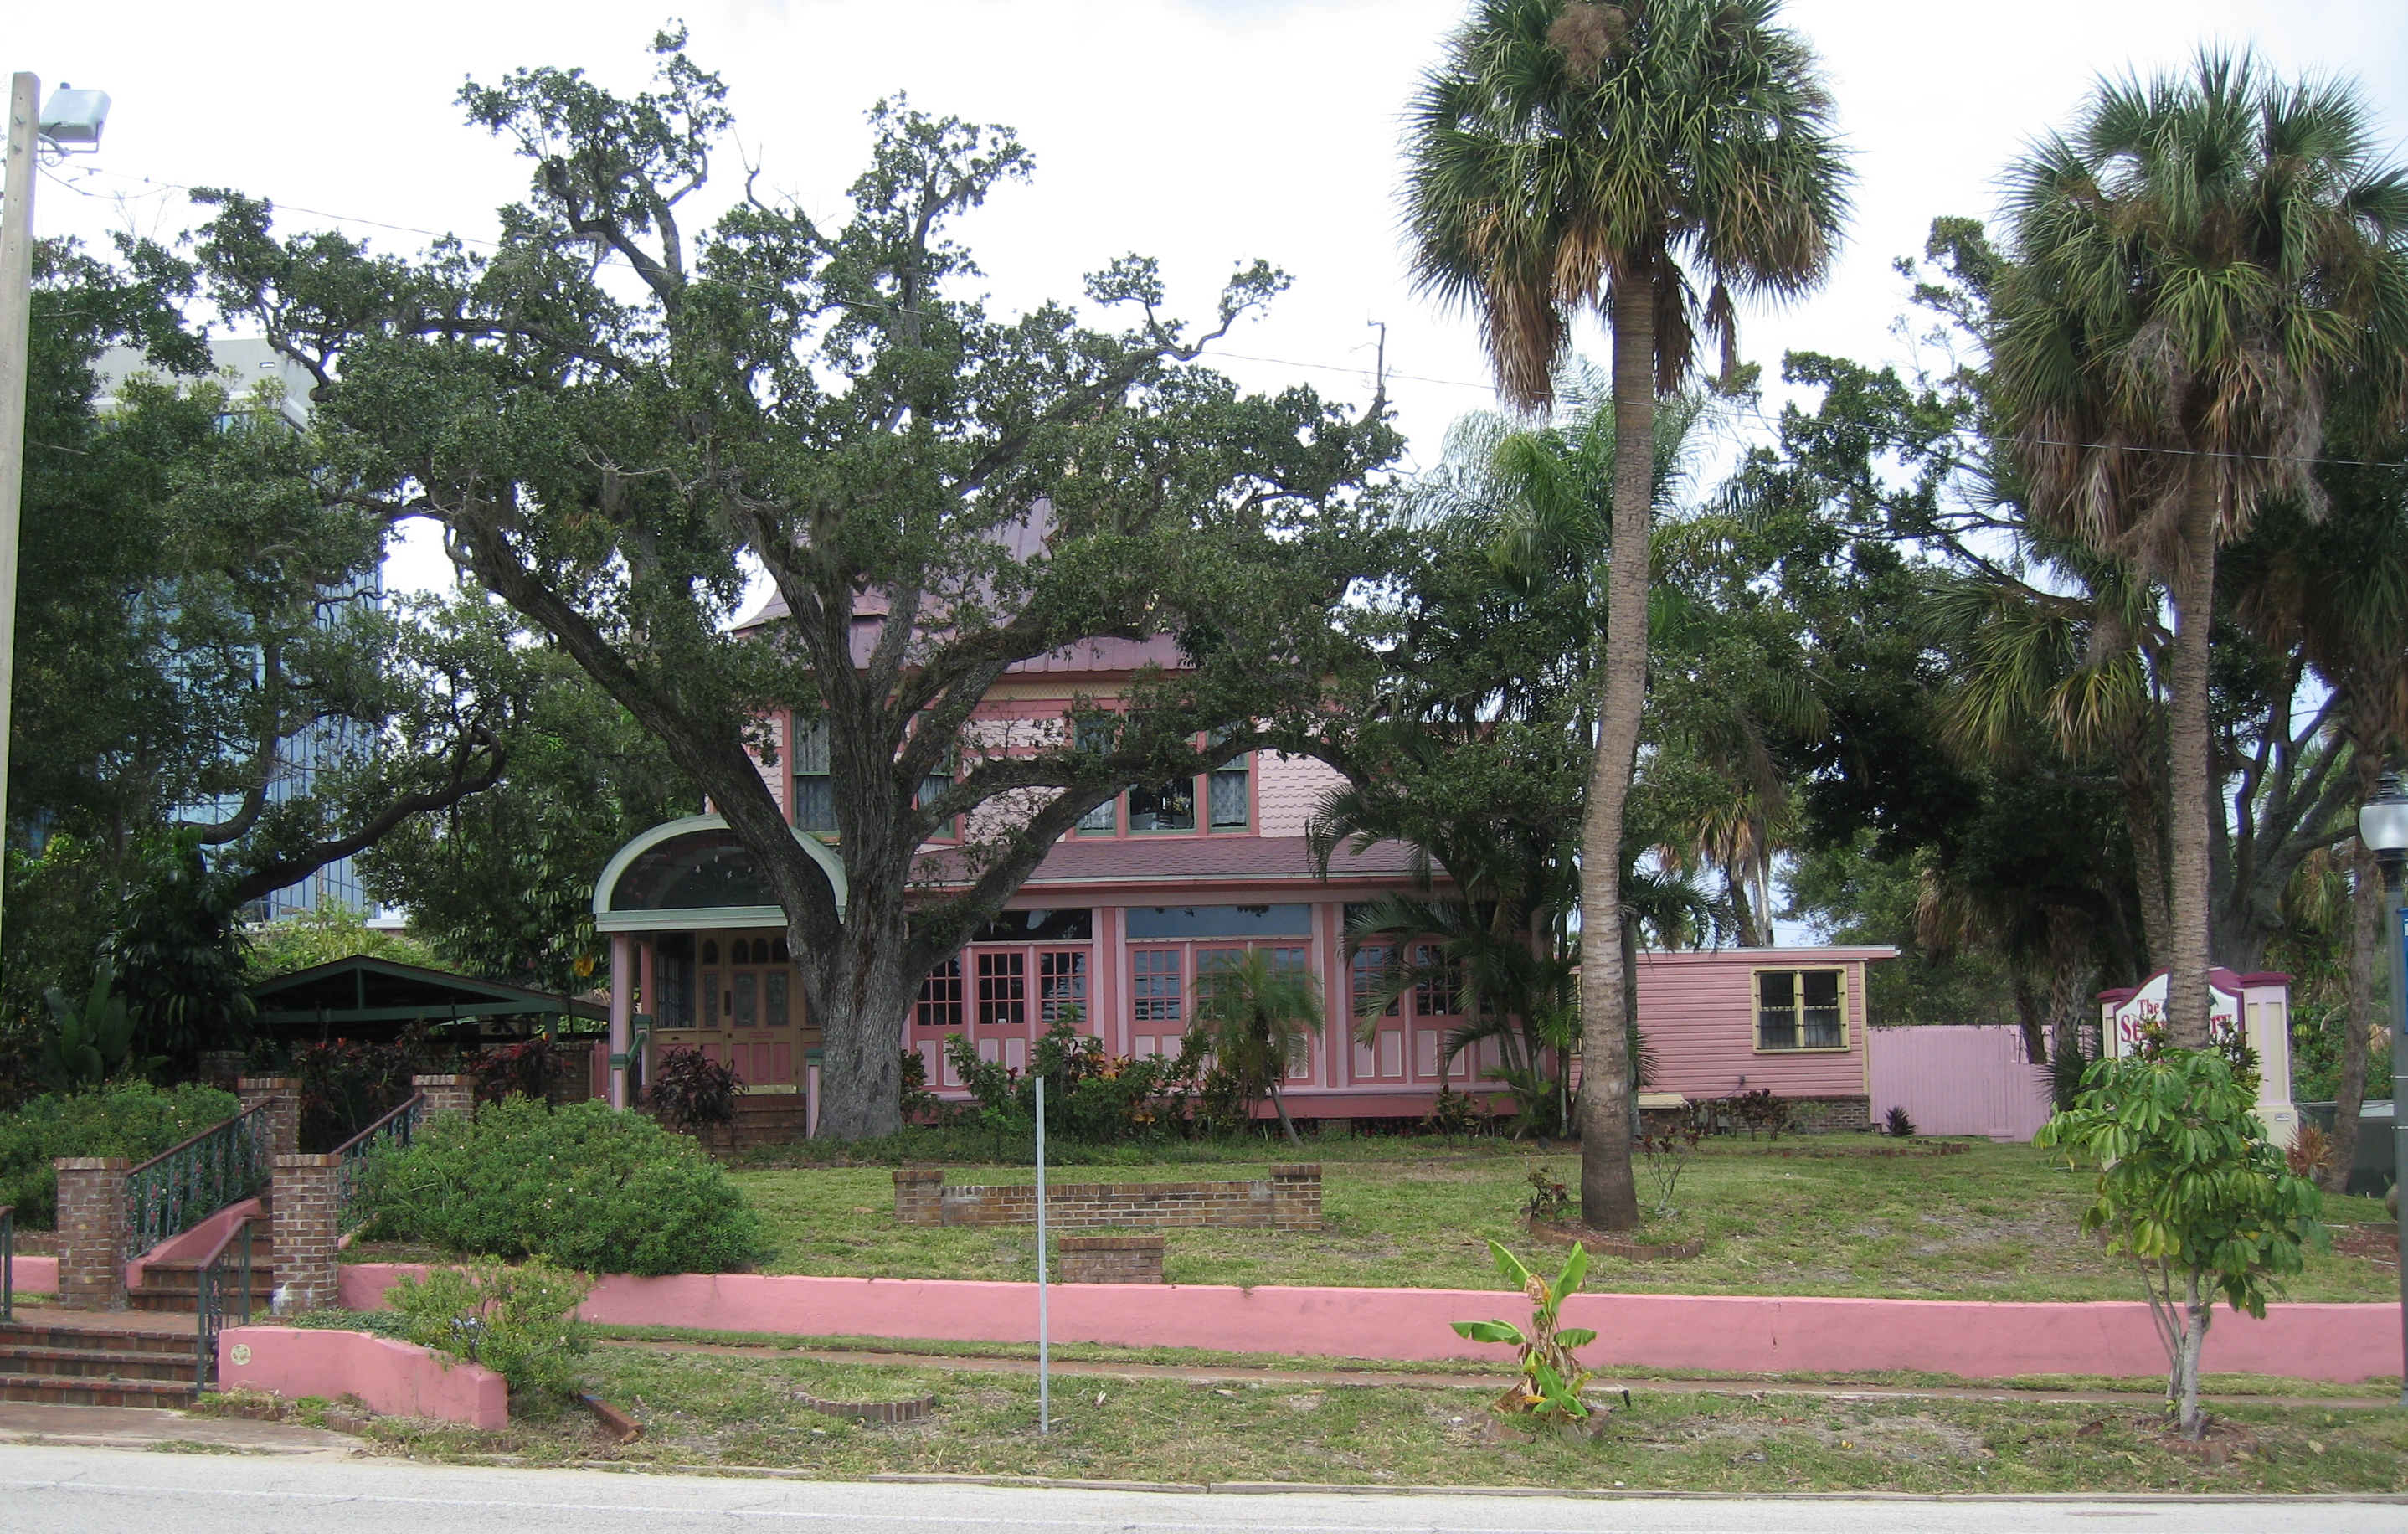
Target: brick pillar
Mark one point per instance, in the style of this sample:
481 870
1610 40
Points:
282 1095
1296 1198
221 1068
305 1228
919 1196
92 1232
445 1094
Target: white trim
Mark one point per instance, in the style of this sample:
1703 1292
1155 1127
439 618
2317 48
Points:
606 919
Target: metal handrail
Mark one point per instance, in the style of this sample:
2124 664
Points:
8 1262
186 1183
394 1128
210 1299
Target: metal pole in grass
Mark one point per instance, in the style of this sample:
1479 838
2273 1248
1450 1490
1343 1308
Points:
1044 1364
2382 825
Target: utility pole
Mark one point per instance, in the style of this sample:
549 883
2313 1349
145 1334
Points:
16 319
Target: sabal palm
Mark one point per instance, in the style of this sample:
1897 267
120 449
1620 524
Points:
1252 1016
1653 161
2199 266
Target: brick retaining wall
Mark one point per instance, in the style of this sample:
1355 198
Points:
1110 1259
1287 1199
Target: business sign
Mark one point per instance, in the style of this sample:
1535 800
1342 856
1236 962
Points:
2146 1008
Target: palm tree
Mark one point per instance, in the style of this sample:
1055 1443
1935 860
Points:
1252 1017
1651 162
2196 268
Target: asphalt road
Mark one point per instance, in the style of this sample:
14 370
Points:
103 1491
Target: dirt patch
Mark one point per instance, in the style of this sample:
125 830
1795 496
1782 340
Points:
2377 1244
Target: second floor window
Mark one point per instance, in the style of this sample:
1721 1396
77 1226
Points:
1162 807
814 792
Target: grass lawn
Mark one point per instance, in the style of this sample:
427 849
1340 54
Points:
714 1409
1998 1222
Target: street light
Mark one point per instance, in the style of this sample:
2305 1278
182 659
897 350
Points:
72 125
2383 827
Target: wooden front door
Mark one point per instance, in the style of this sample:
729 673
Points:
749 1011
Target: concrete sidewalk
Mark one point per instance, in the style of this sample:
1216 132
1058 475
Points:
138 1427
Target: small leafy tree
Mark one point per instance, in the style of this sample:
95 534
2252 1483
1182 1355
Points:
1550 1386
1252 1016
2191 1190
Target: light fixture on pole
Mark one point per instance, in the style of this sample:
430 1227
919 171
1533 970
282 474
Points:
72 125
2383 827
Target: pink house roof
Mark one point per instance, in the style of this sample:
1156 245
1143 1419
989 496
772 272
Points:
1865 953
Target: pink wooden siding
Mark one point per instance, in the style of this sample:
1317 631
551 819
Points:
1698 1011
1959 1081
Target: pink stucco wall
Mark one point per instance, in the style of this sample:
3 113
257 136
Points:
394 1378
1699 1012
36 1275
1733 1333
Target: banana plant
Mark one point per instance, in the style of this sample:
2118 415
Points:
92 1039
1549 1384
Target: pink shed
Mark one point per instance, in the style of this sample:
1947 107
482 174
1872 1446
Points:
1727 1021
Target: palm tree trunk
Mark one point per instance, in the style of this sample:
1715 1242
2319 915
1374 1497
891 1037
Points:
1280 1106
2186 956
2145 812
1609 1196
2367 902
2070 970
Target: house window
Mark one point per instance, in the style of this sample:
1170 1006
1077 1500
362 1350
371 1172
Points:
940 997
1798 1009
1162 807
814 792
1003 990
1153 985
1439 991
1226 799
1095 737
1061 986
1370 965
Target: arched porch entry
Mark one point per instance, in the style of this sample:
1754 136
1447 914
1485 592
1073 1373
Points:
698 956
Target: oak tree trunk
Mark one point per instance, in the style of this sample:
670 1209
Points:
1609 1196
2189 794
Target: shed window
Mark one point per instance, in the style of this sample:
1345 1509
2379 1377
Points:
1798 1009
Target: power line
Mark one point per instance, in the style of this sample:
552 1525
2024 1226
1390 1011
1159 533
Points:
1993 438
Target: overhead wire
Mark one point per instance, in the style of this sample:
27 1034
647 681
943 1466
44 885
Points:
1991 438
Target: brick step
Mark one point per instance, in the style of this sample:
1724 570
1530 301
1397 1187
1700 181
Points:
28 1334
89 1363
58 1391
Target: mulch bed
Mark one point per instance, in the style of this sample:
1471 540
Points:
1857 1152
1602 1243
2377 1243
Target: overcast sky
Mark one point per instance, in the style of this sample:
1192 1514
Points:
1204 132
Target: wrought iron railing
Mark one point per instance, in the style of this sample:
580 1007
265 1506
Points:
229 1266
8 1262
181 1186
351 1172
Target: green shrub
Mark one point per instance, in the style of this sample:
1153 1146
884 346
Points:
133 1119
582 1187
519 1322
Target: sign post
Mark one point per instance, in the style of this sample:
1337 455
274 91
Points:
1044 1368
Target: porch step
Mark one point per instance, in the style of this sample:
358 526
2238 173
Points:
158 1394
176 1285
95 1366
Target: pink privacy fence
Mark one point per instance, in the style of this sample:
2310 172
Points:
1958 1080
1733 1333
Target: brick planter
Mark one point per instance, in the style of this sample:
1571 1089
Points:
1110 1259
1286 1200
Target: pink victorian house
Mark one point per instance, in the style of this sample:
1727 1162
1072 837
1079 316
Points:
1159 885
